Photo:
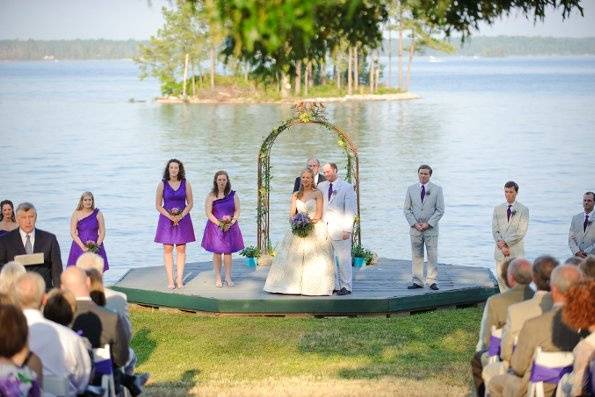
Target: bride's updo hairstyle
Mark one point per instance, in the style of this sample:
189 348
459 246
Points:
300 192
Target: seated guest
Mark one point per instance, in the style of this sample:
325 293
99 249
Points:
547 331
62 352
6 299
60 307
14 356
579 314
115 301
96 287
536 306
314 166
7 220
99 325
494 314
588 266
9 274
504 271
29 240
518 313
573 260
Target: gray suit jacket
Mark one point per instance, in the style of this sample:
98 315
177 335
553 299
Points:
513 231
551 334
579 239
495 310
339 211
102 326
117 302
516 317
430 211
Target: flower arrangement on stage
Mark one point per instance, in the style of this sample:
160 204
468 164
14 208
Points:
301 224
92 247
225 223
175 212
250 252
369 257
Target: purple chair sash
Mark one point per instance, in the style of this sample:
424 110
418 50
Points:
103 367
547 374
494 348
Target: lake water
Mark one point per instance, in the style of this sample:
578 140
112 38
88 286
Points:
67 127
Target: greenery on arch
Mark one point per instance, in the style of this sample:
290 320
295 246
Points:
304 113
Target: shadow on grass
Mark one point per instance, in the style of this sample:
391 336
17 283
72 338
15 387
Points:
143 345
181 387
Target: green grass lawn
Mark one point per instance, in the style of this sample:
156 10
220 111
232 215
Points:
425 354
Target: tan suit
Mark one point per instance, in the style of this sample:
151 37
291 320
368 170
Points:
518 314
552 335
512 231
495 311
579 238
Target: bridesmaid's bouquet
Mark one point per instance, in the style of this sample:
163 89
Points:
224 223
175 212
301 224
92 247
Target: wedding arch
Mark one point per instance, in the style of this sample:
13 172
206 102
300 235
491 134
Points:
304 113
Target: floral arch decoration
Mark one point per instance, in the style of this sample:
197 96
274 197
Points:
304 113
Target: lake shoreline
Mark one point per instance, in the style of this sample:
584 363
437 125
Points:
243 100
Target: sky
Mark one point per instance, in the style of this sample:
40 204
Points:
139 19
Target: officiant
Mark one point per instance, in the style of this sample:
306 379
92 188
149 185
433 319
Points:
36 249
313 165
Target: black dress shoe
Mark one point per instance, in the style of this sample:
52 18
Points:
414 286
434 287
343 291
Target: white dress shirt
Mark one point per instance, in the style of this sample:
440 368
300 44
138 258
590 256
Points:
61 350
24 237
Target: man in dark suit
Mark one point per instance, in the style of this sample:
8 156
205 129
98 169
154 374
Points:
314 166
26 239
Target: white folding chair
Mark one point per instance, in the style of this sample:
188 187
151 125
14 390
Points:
56 385
104 367
548 367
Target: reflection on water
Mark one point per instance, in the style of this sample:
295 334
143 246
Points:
67 127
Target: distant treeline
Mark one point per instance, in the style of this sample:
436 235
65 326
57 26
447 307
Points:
120 49
28 50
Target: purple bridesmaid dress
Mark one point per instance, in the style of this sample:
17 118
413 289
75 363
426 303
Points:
167 232
214 239
88 230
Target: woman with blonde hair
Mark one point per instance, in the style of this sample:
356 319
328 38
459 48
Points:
87 228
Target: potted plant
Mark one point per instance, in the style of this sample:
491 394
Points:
251 253
266 259
362 256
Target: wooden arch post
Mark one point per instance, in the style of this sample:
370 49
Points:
304 113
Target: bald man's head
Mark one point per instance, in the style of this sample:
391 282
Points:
76 281
29 290
520 272
562 279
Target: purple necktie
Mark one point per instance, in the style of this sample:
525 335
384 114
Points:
330 190
586 222
508 212
423 192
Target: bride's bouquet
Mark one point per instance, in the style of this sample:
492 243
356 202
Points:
301 224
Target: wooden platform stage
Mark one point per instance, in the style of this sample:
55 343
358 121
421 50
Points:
377 290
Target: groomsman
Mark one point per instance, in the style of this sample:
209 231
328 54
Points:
423 208
510 221
581 237
314 166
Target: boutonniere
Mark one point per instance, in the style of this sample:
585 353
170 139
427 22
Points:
513 212
589 222
334 193
428 193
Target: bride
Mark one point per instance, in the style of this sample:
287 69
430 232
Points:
304 265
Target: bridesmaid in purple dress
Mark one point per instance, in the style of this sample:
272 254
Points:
174 202
222 234
87 225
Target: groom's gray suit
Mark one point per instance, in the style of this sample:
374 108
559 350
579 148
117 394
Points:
339 212
429 211
580 239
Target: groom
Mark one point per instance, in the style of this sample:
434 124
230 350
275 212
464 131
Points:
339 211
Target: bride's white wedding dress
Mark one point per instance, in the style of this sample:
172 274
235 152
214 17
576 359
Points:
303 265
